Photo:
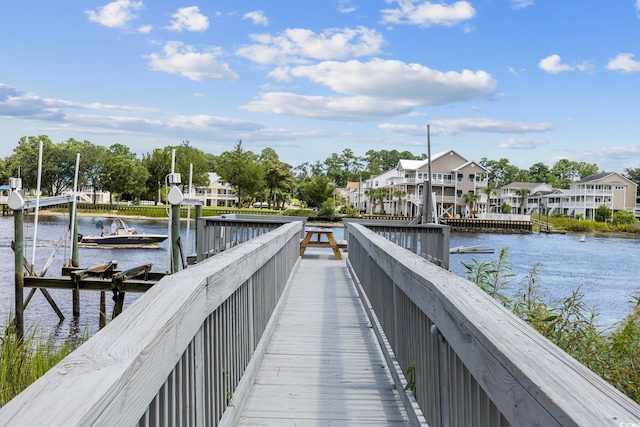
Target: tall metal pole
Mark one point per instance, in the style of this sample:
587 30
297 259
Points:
175 238
426 211
18 231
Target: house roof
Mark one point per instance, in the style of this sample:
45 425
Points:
528 185
404 164
353 184
464 165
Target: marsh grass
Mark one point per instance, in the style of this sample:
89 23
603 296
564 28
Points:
24 361
568 322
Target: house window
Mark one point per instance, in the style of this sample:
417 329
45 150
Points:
460 177
472 177
458 193
447 177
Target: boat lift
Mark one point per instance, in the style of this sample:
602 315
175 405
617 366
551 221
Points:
102 277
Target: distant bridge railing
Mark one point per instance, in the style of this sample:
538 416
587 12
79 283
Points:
176 355
473 362
219 233
430 241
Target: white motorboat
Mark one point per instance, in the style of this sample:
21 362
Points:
121 235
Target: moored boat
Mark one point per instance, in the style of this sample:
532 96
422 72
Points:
121 235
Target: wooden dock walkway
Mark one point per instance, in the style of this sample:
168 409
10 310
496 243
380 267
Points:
323 366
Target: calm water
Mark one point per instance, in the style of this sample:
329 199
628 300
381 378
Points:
603 267
50 230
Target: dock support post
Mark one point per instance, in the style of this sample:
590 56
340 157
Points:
74 259
175 238
18 231
197 216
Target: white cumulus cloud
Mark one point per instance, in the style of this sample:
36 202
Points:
391 88
454 126
624 62
257 17
300 45
551 64
115 14
396 80
426 13
189 19
346 6
327 107
521 4
413 130
185 60
523 143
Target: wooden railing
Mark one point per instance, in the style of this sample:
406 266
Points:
175 356
219 233
430 241
472 362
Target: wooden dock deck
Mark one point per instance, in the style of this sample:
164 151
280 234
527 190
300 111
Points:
323 366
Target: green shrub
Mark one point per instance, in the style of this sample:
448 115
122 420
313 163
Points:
569 323
623 217
603 213
328 208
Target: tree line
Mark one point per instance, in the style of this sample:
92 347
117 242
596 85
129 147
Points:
252 176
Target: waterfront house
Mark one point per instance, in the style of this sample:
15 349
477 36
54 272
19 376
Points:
606 188
217 193
524 197
453 176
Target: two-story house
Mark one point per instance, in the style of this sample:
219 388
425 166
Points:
607 188
524 197
217 193
452 176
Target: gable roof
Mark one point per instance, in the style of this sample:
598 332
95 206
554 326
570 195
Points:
464 165
528 185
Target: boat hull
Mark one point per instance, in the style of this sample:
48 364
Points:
124 241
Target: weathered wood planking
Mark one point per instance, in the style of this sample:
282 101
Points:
323 365
112 378
530 380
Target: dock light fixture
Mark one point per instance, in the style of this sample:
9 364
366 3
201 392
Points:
15 184
174 178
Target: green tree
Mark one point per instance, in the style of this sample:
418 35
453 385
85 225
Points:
603 213
242 171
564 173
633 174
158 165
92 158
500 172
316 190
539 172
4 173
585 169
123 173
399 194
379 161
187 158
523 193
279 179
470 199
505 208
489 191
23 163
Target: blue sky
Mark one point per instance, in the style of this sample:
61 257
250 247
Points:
529 80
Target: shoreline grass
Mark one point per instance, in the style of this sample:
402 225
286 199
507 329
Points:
613 354
22 362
